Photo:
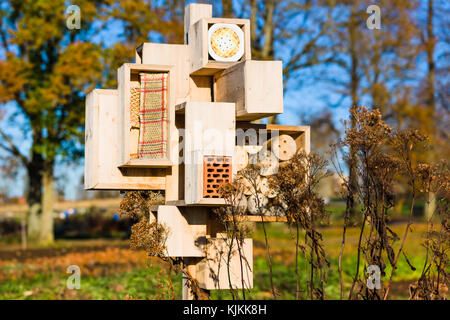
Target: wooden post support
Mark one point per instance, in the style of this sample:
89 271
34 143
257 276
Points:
187 290
189 265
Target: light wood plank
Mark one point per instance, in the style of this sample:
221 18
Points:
178 57
102 145
202 203
187 230
257 218
127 74
255 86
209 131
200 88
194 12
212 272
198 44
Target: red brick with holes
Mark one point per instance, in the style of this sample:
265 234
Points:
216 172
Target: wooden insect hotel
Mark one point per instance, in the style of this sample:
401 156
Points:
180 121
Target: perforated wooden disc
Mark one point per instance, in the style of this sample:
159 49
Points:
256 202
226 42
268 163
265 189
242 203
284 147
247 188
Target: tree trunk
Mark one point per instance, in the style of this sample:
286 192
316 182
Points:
355 100
34 195
430 48
33 223
227 9
267 52
430 99
48 195
253 25
267 49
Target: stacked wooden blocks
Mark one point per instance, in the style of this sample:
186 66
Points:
191 126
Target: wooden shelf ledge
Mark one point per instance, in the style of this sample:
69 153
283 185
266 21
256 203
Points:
147 163
256 218
213 202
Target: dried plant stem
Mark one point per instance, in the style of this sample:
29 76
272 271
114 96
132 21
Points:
193 285
358 259
230 252
269 259
297 277
394 267
235 228
266 239
439 268
236 232
242 269
297 182
311 276
170 279
346 218
427 241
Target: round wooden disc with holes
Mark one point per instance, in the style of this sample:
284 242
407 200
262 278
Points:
256 202
268 163
284 147
283 204
226 42
246 186
265 189
240 158
242 203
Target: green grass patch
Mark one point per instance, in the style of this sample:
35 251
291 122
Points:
144 283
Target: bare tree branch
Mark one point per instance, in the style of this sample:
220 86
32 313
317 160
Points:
13 149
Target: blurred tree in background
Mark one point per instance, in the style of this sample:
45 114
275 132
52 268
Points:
46 72
370 63
295 31
46 69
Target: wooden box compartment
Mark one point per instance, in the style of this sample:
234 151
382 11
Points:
175 55
128 80
255 86
186 228
102 145
253 139
264 132
209 131
201 62
269 147
212 272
